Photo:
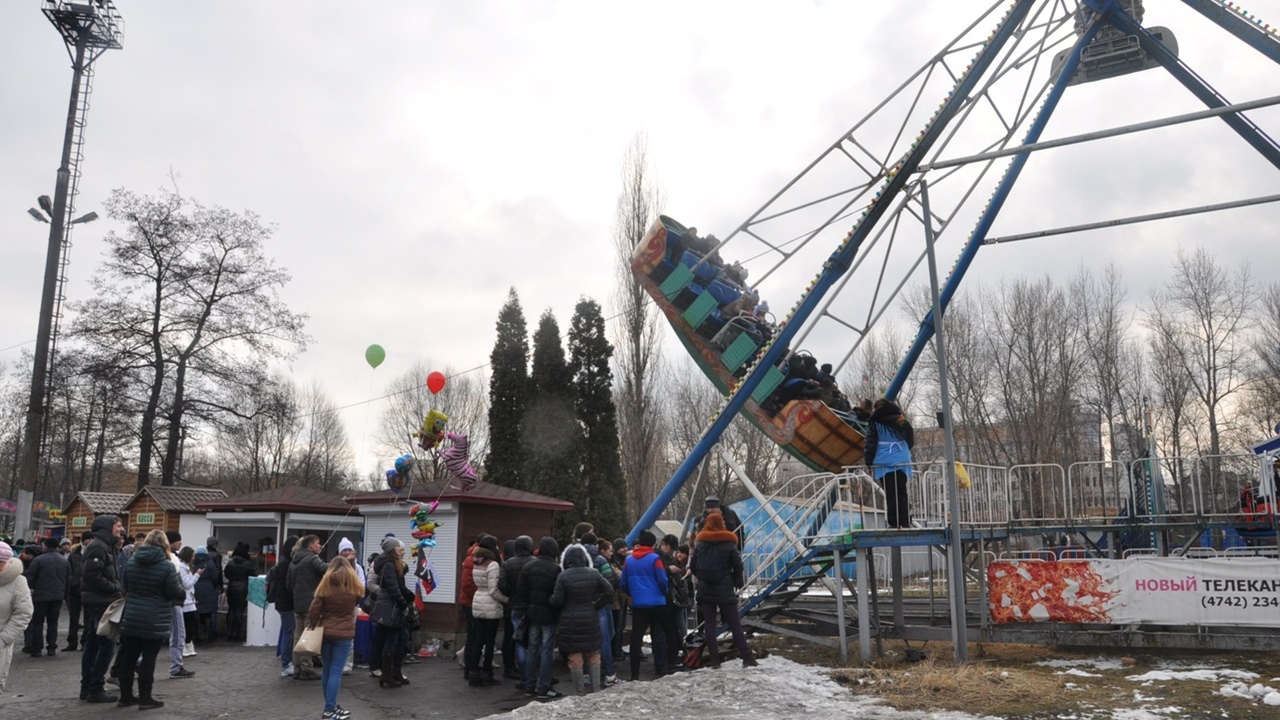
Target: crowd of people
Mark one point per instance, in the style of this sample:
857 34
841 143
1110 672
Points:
156 590
574 600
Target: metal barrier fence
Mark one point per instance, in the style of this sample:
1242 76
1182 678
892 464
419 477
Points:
822 508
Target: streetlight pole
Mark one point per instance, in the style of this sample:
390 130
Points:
84 27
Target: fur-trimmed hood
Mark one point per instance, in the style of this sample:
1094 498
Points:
714 530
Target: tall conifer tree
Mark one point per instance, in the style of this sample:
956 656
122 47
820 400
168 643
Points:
589 355
508 397
550 430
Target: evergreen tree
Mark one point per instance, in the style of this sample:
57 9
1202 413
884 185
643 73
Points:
508 396
604 486
550 431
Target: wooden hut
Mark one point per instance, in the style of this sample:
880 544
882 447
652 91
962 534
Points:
86 506
157 507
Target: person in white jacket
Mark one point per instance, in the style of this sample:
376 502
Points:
487 610
16 608
178 647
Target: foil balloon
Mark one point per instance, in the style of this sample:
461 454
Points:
432 430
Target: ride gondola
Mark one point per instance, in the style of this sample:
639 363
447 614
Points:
725 327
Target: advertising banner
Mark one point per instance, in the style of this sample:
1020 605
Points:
1149 590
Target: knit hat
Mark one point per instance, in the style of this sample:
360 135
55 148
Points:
713 501
65 541
647 538
389 543
173 536
202 551
211 543
345 544
6 552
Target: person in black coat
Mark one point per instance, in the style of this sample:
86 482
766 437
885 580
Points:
237 574
207 592
151 588
99 587
305 570
389 612
717 567
534 588
581 591
517 554
47 576
279 595
76 633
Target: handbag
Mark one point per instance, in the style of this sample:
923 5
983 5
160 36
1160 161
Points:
109 625
311 640
388 614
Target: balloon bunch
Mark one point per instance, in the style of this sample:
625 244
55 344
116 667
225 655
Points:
432 430
423 526
398 476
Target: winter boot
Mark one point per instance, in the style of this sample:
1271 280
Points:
389 677
594 672
576 679
398 664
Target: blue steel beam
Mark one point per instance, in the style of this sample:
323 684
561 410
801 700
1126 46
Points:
838 264
1243 126
927 325
1250 33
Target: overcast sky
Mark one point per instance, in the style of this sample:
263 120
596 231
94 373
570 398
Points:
418 159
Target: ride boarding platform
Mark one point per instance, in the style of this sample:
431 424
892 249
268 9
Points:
1038 534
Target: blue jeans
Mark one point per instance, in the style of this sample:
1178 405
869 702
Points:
284 645
518 650
177 638
606 640
97 653
334 655
539 656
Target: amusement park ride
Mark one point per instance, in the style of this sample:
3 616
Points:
866 214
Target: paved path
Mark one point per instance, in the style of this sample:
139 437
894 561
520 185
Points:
235 681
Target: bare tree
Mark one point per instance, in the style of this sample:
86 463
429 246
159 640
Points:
1202 318
324 457
188 297
1261 406
1113 388
1039 358
465 399
258 443
637 338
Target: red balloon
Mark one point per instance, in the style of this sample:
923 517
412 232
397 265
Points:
435 382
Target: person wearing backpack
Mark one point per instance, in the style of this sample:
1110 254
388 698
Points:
283 601
888 444
717 568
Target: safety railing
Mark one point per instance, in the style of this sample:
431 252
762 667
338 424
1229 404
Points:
825 508
1038 494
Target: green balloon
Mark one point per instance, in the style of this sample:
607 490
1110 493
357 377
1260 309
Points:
374 355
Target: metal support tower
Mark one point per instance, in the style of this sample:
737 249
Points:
89 29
